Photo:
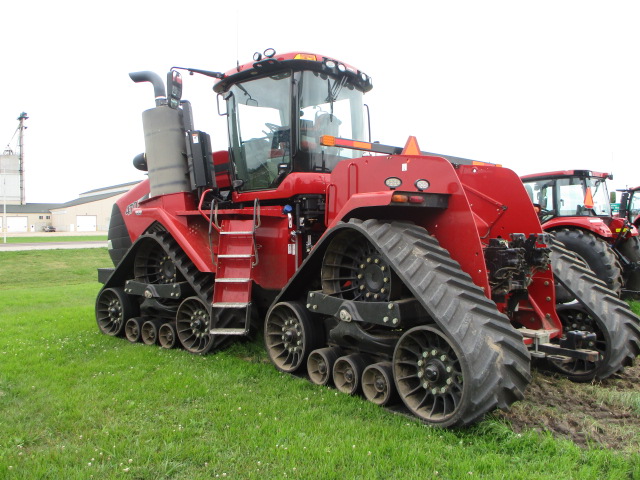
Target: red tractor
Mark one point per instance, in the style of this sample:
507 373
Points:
574 206
630 205
392 273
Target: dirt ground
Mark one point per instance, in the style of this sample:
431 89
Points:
604 414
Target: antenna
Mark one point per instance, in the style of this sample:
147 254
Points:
237 40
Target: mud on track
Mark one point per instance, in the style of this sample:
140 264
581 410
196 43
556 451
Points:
596 415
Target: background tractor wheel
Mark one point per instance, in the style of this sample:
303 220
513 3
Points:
630 248
596 253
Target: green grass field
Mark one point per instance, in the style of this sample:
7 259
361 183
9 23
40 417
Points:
56 238
76 404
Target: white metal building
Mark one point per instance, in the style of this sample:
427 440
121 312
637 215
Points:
90 212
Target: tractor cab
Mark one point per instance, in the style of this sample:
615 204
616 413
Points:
630 205
569 193
279 107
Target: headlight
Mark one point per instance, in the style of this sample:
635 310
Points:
422 184
393 182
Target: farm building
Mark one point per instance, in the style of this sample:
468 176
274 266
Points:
90 212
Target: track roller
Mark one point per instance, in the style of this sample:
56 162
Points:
149 331
167 337
132 329
320 364
113 308
377 383
347 372
290 335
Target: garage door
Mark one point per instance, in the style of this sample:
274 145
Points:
86 223
16 224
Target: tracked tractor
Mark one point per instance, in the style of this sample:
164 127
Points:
574 205
386 272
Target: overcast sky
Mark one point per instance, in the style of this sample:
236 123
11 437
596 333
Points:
535 86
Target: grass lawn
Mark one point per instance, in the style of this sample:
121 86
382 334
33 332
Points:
78 404
56 238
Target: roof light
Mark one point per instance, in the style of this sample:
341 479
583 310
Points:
393 182
422 184
305 56
330 63
341 68
364 77
269 52
416 199
397 198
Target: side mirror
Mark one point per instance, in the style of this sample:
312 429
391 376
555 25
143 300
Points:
174 85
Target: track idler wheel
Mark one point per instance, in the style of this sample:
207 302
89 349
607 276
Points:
430 376
113 308
320 364
377 383
133 328
167 337
193 324
347 372
290 335
149 331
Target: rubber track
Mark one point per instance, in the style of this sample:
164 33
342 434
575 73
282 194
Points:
498 359
593 294
201 282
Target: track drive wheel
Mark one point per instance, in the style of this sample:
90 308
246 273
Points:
574 317
113 308
431 376
193 324
153 265
354 269
290 334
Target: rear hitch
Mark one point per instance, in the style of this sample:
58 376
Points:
570 347
510 263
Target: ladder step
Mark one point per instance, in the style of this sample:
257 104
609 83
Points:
244 232
240 255
232 280
229 305
228 331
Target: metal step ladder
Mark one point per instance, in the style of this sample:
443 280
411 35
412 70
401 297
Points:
237 256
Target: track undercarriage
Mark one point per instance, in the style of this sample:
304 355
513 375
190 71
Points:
385 312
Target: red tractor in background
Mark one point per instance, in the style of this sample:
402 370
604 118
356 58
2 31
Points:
393 273
630 205
574 205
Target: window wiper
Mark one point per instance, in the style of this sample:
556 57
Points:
333 92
